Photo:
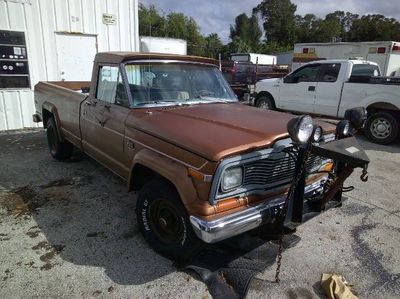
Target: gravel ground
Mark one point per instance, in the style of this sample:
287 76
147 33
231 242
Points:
68 230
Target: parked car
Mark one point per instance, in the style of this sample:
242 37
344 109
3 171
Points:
331 87
207 168
242 75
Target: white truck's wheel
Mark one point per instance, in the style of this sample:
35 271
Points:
265 102
382 128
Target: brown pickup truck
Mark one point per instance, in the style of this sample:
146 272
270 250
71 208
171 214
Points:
207 167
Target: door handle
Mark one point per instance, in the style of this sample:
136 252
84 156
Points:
311 88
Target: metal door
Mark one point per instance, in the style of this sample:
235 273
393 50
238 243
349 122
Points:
75 55
299 94
329 89
103 121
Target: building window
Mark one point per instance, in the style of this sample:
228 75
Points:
14 69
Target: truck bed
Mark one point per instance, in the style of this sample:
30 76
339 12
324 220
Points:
65 96
375 80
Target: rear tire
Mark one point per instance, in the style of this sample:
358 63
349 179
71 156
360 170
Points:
60 150
382 128
164 223
265 102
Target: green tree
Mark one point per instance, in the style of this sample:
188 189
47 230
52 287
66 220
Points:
213 45
247 29
151 23
238 45
173 25
305 28
374 28
278 20
341 21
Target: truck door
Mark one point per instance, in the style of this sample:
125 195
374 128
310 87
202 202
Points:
297 90
329 89
103 121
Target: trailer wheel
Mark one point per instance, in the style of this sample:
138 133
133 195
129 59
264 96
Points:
382 127
60 150
164 223
265 102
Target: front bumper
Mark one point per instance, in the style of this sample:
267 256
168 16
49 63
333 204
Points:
347 155
250 218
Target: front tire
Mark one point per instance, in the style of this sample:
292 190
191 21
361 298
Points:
265 102
382 128
164 223
60 150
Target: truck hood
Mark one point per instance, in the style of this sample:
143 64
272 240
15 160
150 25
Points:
272 80
215 131
267 84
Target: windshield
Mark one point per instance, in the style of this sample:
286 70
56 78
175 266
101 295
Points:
160 84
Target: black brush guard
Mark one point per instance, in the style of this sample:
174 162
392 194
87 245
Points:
347 155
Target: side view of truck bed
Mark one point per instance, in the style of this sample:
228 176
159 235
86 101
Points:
67 97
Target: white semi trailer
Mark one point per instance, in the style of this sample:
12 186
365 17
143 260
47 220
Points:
254 58
149 44
385 53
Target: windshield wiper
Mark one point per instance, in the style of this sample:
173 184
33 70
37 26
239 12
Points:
157 102
212 99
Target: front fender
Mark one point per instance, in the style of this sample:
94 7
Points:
171 170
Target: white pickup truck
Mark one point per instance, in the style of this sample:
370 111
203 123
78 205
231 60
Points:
330 87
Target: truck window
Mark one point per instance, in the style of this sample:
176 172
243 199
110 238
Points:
154 82
110 88
306 74
330 72
367 70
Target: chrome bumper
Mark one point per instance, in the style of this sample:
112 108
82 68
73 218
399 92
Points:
245 220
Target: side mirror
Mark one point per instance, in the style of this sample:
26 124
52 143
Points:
357 117
288 79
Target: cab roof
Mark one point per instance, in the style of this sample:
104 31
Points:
119 57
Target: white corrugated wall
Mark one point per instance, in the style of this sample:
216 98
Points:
41 20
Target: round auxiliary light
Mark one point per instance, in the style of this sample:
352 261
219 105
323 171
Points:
343 128
300 128
356 117
317 133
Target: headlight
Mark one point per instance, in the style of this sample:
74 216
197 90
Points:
231 178
300 128
317 133
343 128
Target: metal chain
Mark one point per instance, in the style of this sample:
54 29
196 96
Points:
282 213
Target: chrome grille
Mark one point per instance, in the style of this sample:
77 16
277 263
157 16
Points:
275 170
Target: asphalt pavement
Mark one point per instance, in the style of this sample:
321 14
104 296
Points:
68 230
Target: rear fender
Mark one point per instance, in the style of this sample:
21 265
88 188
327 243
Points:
53 110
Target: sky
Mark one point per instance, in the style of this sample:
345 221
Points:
217 15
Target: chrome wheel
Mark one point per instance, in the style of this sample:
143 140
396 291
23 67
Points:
264 105
381 128
265 102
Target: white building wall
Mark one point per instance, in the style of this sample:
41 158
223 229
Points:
41 20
